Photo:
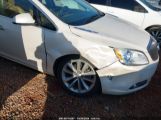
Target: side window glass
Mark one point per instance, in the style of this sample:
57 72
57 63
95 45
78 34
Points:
1 6
44 22
124 4
10 8
70 4
108 2
139 8
100 2
128 5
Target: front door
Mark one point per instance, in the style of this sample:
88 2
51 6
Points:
21 43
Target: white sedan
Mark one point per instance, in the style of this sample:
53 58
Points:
139 12
85 49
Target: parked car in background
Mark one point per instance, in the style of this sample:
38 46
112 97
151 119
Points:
139 12
155 3
85 49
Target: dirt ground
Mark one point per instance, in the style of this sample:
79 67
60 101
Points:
28 94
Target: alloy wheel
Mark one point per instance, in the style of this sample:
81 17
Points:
157 35
79 76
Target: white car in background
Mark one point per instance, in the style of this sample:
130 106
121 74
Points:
140 12
84 48
155 2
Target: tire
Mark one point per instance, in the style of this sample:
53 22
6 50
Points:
78 76
156 33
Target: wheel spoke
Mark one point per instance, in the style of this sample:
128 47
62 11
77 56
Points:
78 65
91 73
157 33
79 86
67 79
84 84
85 67
72 67
87 79
159 41
72 84
68 71
153 33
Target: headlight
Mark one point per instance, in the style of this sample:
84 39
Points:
131 57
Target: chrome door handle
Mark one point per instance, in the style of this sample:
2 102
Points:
1 28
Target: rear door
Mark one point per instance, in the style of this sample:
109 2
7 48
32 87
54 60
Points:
129 10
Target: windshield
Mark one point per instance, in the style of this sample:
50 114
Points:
73 12
151 6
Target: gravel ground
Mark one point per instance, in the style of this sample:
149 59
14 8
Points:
28 94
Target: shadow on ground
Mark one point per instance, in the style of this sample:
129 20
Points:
29 94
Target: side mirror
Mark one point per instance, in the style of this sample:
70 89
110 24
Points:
24 18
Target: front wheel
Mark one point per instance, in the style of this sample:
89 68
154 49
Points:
156 33
78 76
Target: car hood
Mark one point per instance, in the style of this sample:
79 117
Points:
114 32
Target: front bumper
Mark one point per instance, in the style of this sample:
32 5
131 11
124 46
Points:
118 79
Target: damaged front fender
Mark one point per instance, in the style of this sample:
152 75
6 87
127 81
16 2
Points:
100 56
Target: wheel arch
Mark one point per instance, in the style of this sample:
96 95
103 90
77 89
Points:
147 28
58 60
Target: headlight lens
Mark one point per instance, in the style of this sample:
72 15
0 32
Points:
131 57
